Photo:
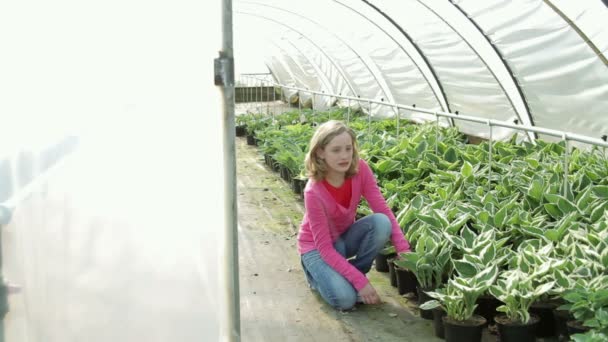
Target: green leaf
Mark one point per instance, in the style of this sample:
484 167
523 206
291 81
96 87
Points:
465 269
601 191
455 226
430 305
598 212
467 169
430 220
537 189
566 206
500 217
553 210
451 155
422 146
552 198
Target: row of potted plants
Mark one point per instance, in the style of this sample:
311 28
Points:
464 214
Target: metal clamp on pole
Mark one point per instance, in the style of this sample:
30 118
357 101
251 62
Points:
224 70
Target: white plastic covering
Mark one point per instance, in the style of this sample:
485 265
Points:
121 243
534 62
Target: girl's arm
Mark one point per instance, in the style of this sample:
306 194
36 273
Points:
319 224
371 192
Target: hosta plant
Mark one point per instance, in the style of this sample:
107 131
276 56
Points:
428 261
458 298
514 288
588 303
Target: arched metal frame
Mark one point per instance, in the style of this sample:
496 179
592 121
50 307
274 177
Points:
578 30
427 70
321 74
465 28
521 108
369 65
322 50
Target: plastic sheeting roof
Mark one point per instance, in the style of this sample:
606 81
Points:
537 62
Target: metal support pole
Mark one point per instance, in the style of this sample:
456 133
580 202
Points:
300 104
230 328
436 134
566 156
490 143
398 120
312 104
348 112
369 122
274 101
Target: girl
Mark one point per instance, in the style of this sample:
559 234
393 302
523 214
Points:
336 251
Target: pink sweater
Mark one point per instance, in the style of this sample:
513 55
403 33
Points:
325 220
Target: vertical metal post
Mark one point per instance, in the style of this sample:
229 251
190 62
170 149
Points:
490 143
300 103
566 156
274 100
398 119
436 134
281 98
231 328
348 112
312 104
369 121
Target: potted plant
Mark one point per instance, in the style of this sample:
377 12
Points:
515 289
429 261
588 304
458 300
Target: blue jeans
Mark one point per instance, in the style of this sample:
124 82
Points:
360 244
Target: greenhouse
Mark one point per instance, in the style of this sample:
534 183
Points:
357 170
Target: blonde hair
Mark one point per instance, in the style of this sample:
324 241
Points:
316 167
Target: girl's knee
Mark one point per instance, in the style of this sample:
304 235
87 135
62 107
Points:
344 300
382 225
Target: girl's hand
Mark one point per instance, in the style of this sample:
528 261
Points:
369 295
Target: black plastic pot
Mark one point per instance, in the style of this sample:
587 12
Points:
561 318
406 281
423 298
575 327
275 166
391 271
250 140
467 331
381 263
240 130
486 307
546 325
285 174
515 331
438 325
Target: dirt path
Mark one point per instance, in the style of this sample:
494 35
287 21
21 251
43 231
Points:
276 304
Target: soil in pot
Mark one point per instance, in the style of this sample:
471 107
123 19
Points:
515 331
546 325
438 326
423 298
250 140
406 280
464 331
381 263
391 271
